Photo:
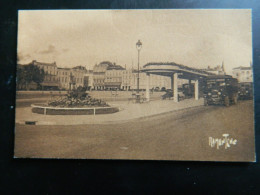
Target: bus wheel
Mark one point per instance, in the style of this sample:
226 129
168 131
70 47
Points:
226 101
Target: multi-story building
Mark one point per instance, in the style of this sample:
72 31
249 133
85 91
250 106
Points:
64 78
77 74
100 79
50 77
88 79
99 72
113 77
243 74
71 78
129 80
105 75
157 81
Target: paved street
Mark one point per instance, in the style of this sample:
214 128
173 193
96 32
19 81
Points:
180 135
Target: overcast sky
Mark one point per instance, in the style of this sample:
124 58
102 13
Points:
196 38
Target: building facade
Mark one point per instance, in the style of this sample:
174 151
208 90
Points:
56 78
50 77
77 75
88 79
130 77
71 78
127 80
243 74
64 78
113 79
99 77
106 75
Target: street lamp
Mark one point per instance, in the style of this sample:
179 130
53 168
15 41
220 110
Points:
138 47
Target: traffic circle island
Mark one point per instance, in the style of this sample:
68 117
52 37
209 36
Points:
50 110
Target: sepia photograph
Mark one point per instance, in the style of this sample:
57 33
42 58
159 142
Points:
144 84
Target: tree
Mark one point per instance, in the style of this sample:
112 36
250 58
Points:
20 77
27 74
36 74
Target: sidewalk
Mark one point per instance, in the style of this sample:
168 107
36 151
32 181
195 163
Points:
128 111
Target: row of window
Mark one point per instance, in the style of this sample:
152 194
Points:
66 79
247 72
243 72
53 71
127 77
237 74
63 79
99 81
47 67
50 78
50 68
68 73
114 79
63 73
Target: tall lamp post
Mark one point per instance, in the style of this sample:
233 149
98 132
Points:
138 47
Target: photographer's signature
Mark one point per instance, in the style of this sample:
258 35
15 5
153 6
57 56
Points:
225 141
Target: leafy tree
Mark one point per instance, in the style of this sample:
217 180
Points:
20 78
36 74
29 73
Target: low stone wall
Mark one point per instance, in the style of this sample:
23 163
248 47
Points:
46 110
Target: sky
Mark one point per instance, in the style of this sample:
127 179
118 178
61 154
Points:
193 37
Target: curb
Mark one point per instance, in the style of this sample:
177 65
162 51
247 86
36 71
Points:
109 122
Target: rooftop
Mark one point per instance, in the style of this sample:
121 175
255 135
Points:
243 68
63 68
34 62
178 65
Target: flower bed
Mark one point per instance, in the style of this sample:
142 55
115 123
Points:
77 99
76 102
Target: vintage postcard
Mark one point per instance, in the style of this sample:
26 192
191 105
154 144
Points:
135 84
